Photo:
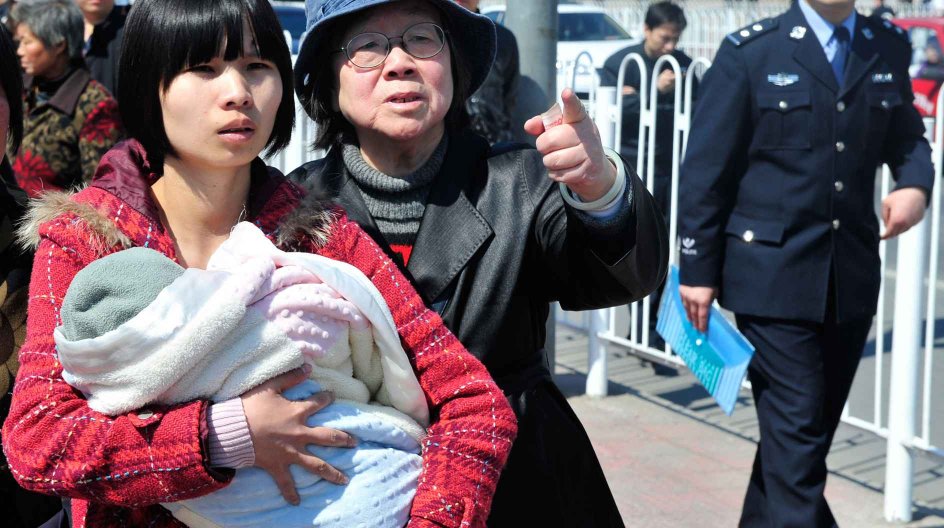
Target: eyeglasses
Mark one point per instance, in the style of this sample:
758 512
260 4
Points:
369 50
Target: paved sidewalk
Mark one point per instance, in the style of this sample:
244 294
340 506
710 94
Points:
674 460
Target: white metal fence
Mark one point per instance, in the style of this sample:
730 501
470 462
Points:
912 315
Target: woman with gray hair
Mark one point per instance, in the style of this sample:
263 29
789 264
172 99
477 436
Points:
70 120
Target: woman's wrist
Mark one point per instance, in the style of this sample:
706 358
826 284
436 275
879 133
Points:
609 198
229 442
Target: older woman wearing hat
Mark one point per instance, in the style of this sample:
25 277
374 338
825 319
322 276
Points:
489 236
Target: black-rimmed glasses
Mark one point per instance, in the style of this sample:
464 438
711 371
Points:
369 50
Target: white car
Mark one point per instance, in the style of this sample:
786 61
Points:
580 28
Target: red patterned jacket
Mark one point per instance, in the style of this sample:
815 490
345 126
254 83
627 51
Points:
117 469
66 136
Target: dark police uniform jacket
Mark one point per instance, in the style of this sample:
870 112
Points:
778 186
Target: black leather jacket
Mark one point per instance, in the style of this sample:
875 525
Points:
497 244
492 106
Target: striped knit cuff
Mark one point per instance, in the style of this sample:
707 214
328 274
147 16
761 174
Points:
229 441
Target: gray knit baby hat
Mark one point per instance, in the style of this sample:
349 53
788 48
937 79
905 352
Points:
113 289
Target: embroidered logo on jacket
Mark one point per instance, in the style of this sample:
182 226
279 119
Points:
783 79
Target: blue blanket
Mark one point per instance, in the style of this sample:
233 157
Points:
383 469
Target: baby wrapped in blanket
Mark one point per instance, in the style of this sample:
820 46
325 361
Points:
254 313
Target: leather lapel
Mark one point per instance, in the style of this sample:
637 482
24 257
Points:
452 230
861 57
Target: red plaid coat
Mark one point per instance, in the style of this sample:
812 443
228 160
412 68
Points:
117 469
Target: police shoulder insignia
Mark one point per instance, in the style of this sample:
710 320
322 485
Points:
749 33
892 29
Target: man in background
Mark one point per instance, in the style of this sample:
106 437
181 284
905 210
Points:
662 30
104 27
492 106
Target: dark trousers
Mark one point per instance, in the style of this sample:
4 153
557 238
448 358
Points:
801 374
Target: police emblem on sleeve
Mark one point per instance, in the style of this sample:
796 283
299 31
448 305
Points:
688 246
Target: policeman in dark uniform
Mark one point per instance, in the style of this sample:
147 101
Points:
776 218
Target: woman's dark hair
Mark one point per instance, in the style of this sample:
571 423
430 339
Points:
661 13
333 127
165 37
12 81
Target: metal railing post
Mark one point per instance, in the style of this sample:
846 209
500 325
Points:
907 331
650 179
903 390
597 384
591 95
605 115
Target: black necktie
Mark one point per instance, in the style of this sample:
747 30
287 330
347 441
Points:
842 52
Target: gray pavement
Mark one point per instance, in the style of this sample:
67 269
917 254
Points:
673 458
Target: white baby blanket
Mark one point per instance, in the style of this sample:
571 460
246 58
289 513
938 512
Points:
255 312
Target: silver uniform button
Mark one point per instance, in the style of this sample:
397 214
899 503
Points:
841 106
748 236
783 105
840 146
745 33
835 224
885 104
757 27
145 415
839 186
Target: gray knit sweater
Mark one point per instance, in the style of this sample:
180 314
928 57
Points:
396 202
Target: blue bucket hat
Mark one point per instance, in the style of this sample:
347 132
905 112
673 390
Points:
471 36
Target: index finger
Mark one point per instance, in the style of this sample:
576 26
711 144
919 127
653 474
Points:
689 310
283 381
703 311
573 109
892 230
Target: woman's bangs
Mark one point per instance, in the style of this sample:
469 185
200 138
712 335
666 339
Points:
208 31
